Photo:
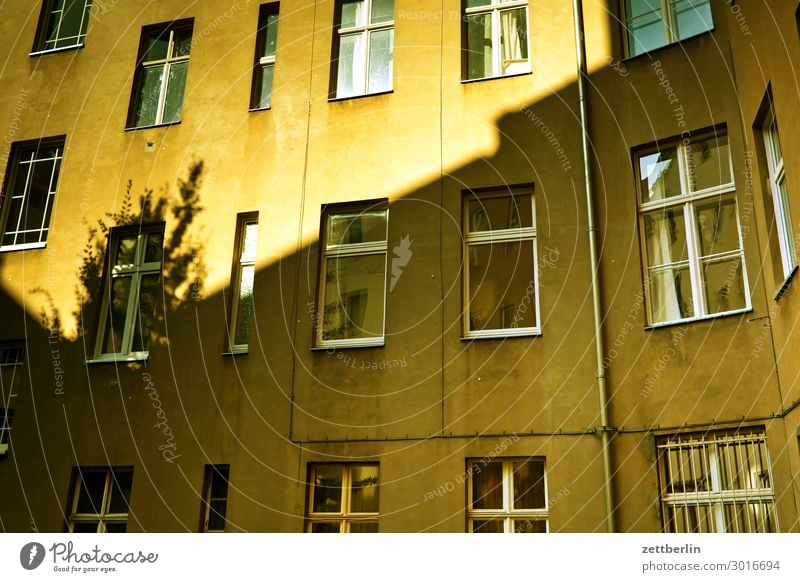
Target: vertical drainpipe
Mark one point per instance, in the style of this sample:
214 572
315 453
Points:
605 429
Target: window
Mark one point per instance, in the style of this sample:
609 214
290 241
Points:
342 498
242 281
353 277
500 282
496 38
62 25
264 68
28 193
6 418
780 196
160 78
364 47
100 500
689 223
717 482
133 282
12 354
215 498
507 496
654 23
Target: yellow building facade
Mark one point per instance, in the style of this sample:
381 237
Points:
326 266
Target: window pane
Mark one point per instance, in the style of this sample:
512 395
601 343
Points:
92 489
724 286
350 75
117 315
354 296
364 227
692 17
530 526
121 483
514 41
154 248
146 313
244 312
382 11
708 163
665 237
85 526
487 486
116 527
717 227
216 514
264 84
645 24
250 239
325 527
354 13
529 485
478 3
500 212
73 23
328 489
175 88
363 527
38 196
501 286
271 36
381 58
149 96
364 495
660 175
156 46
671 294
479 46
126 250
182 42
487 526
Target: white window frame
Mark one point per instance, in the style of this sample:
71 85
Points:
344 517
508 513
499 236
52 10
6 422
668 18
714 497
136 271
366 31
780 200
166 64
495 9
242 260
214 472
264 62
687 200
103 516
24 156
336 251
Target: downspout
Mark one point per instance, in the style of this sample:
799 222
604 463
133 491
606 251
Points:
604 429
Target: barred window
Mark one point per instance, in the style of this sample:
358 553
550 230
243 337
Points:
717 482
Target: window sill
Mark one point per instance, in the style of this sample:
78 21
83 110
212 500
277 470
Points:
783 287
136 128
654 326
25 247
665 46
494 78
61 49
363 96
254 109
503 334
119 359
349 344
234 353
